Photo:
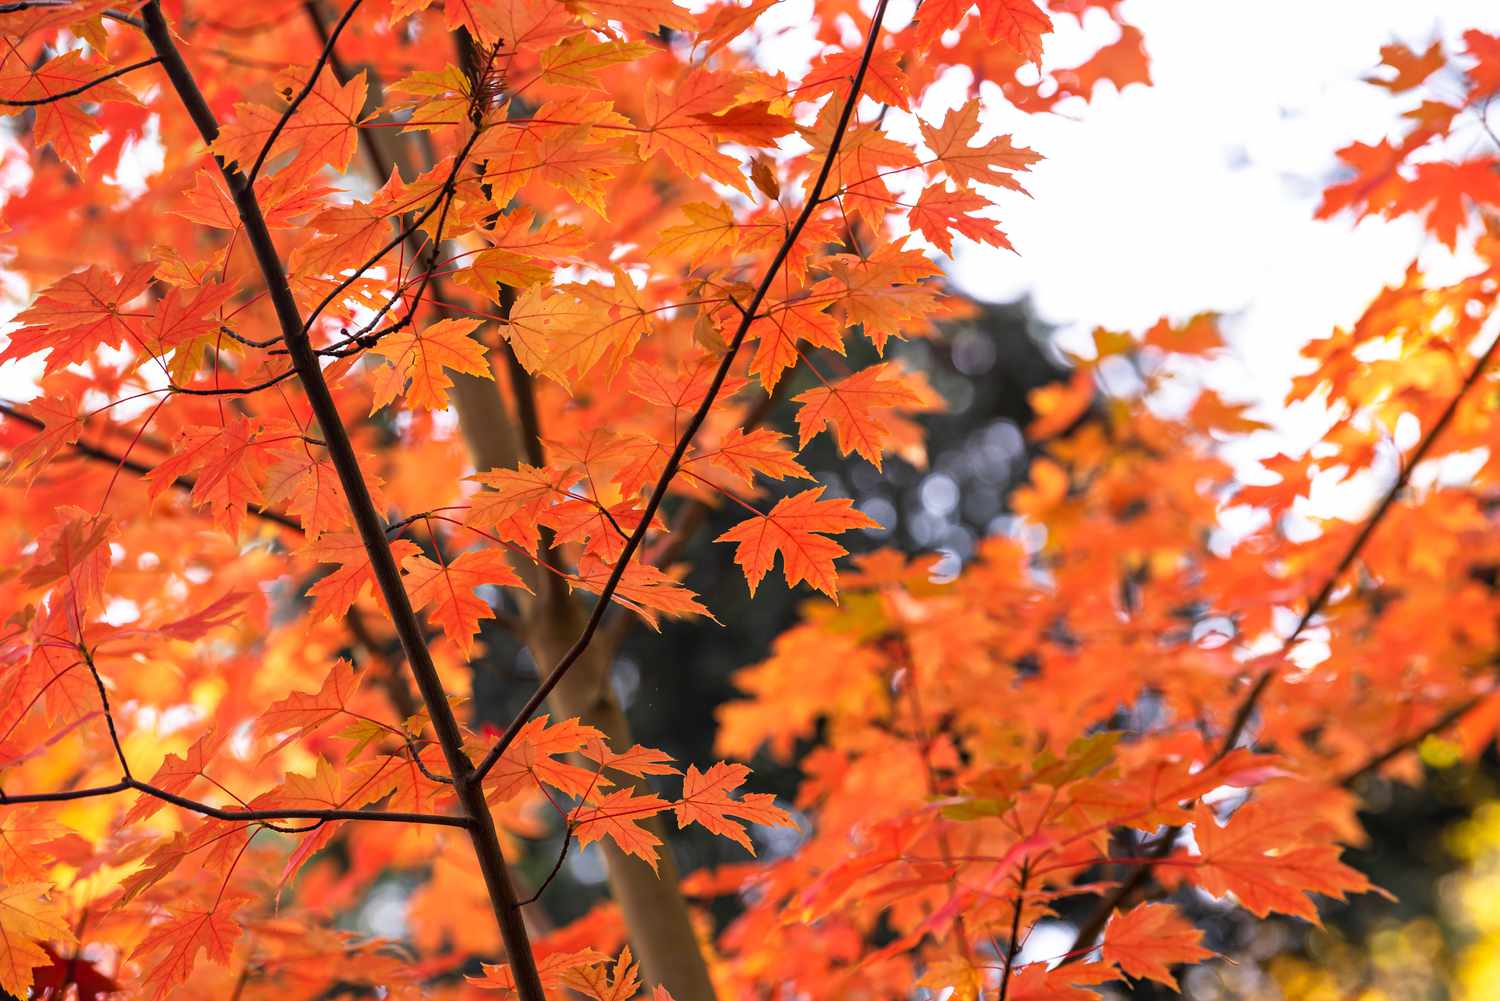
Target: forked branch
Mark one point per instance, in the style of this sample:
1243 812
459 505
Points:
1089 930
371 528
659 492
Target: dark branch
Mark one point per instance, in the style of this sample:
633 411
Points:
307 88
1094 924
82 88
675 459
184 483
1385 757
371 528
218 813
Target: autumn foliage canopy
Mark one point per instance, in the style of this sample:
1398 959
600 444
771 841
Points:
349 329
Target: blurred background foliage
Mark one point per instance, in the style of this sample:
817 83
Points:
1434 846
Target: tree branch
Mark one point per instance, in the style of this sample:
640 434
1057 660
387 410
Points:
307 88
184 483
1379 761
1089 931
81 88
481 825
219 813
699 416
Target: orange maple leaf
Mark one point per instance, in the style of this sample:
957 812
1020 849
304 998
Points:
853 408
335 593
940 212
1145 940
173 946
448 590
706 800
1265 859
79 313
29 919
300 713
795 528
420 360
616 816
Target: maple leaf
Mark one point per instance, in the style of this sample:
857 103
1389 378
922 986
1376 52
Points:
308 486
448 590
1018 23
1199 335
301 713
880 293
853 408
1263 857
420 360
536 756
513 505
598 984
1122 62
1035 982
173 946
26 835
575 61
73 548
616 816
78 314
1446 190
1410 69
323 132
64 123
638 761
559 335
796 528
674 125
643 588
324 789
29 919
1145 940
228 463
336 592
62 425
222 611
753 124
957 975
549 968
176 773
349 234
992 162
710 230
706 800
885 79
183 316
761 451
939 212
1484 49
1058 406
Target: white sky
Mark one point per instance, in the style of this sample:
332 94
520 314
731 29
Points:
1197 193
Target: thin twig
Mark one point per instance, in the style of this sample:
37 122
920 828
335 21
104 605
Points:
81 88
184 483
307 88
556 867
1089 930
675 459
1013 947
471 797
1379 761
219 813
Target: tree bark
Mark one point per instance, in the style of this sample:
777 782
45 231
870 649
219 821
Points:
480 823
656 915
